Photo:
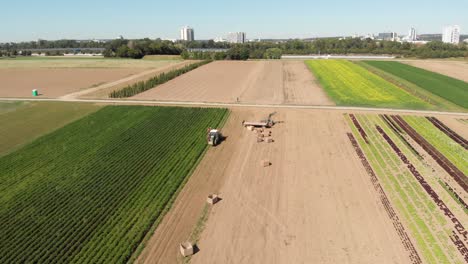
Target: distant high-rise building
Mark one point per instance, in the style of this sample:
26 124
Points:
412 35
393 36
187 34
451 34
236 37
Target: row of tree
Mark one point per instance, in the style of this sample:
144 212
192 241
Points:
137 49
164 77
52 44
255 50
14 53
274 50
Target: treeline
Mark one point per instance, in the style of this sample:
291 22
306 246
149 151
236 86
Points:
164 77
274 50
137 49
438 49
52 44
14 53
435 49
237 52
124 48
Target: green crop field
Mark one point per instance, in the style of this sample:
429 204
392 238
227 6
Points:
90 191
9 106
350 84
438 102
453 90
22 122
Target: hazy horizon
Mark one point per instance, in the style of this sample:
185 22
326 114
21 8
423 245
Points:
106 19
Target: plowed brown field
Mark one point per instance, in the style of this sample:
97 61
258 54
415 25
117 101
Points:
56 82
73 77
261 82
315 204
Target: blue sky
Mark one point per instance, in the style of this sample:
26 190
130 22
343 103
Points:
82 19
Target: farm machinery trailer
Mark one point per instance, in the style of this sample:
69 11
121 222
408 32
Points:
263 123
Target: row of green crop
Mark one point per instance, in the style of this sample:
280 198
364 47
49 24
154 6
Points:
164 77
453 90
90 191
350 84
443 143
425 223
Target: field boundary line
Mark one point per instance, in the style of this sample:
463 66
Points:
214 104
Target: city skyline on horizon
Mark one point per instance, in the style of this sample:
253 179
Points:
224 35
261 19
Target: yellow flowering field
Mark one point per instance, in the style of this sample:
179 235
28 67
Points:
350 84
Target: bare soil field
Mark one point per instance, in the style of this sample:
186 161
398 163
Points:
56 77
456 125
102 91
79 62
454 69
261 82
55 82
314 204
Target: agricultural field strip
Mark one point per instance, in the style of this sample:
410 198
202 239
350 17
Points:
399 228
451 89
129 206
115 83
416 161
155 81
449 132
444 162
427 166
350 84
30 120
431 182
397 170
70 150
412 196
226 105
458 228
454 152
98 63
431 98
382 166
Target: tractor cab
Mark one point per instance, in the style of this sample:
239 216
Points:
213 137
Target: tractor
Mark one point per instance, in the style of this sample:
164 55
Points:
213 137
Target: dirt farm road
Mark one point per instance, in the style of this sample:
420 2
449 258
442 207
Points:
235 105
